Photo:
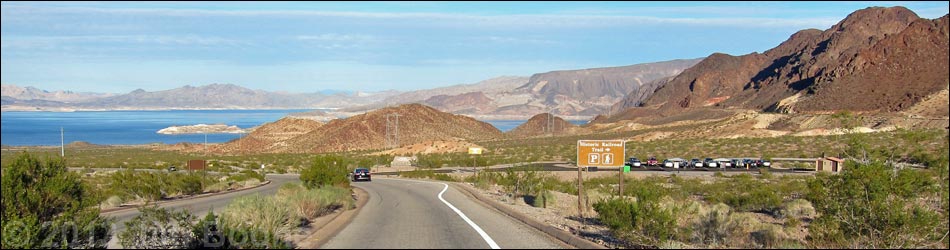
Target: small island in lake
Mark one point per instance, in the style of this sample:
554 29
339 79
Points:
203 129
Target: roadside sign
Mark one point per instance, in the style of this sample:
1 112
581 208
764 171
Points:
474 151
600 153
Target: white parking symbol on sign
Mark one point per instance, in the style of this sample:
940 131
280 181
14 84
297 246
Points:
593 158
609 158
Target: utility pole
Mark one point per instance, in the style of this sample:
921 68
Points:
62 142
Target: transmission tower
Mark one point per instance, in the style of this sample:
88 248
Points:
392 130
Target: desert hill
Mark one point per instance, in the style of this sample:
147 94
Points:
545 124
875 60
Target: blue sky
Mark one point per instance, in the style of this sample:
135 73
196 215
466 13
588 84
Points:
372 46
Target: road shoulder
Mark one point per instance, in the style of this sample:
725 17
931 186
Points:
329 226
562 236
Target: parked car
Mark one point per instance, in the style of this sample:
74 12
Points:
750 163
361 174
710 163
695 163
652 162
667 163
679 162
172 169
634 162
765 163
738 163
723 163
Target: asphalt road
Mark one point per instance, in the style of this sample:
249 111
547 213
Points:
199 206
408 214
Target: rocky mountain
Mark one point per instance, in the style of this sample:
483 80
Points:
577 93
545 124
416 124
31 93
471 103
490 87
589 92
875 60
271 137
214 96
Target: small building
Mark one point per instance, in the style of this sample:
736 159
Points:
829 164
402 161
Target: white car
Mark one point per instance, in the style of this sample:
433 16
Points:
725 163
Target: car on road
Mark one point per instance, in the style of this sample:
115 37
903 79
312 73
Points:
695 163
652 162
361 174
710 163
634 162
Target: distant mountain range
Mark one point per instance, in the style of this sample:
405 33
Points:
578 93
214 96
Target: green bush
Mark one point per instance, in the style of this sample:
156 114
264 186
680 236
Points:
643 221
46 206
327 170
156 228
875 205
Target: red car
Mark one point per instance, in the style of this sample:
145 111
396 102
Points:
652 162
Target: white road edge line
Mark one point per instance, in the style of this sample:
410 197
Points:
478 229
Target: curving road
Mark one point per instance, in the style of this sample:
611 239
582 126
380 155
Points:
199 206
427 215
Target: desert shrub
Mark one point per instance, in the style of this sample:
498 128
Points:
215 233
326 170
710 228
156 228
306 205
541 200
245 175
642 221
263 213
798 209
46 206
874 205
133 185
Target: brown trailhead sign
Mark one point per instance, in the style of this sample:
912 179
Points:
600 153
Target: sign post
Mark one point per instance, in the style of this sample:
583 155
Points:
596 153
475 152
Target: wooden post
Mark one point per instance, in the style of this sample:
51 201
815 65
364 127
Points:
621 182
580 194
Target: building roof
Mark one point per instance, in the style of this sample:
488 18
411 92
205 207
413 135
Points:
835 159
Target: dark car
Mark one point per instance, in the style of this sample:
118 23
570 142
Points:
361 174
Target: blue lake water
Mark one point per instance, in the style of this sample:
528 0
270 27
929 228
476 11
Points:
138 127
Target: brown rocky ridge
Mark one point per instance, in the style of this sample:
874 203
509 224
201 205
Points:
875 60
546 124
417 124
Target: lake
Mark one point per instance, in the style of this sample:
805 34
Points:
139 127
